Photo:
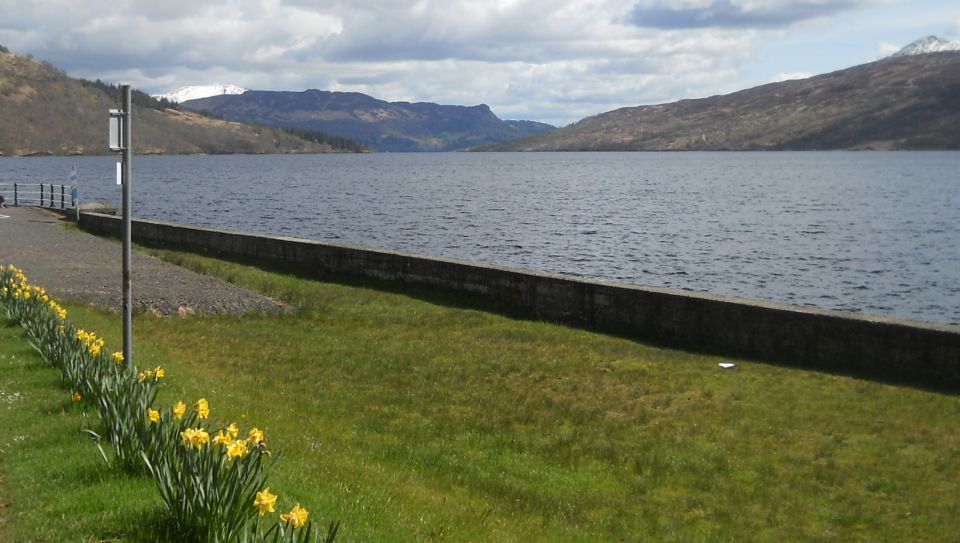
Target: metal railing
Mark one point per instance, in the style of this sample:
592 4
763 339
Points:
37 194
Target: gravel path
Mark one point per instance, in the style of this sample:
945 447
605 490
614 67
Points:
74 265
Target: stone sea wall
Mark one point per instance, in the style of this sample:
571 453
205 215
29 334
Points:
827 340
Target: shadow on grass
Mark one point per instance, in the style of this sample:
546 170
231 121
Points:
149 526
460 300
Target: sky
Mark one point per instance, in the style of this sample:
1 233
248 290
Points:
554 61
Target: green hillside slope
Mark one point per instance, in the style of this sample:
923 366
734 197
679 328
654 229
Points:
44 111
909 102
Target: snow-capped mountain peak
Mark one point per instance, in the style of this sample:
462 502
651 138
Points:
200 91
930 44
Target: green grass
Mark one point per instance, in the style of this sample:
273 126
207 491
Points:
53 484
410 418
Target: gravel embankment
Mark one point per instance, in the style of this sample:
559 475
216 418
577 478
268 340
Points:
74 265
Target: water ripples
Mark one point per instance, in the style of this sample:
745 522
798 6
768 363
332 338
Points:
870 232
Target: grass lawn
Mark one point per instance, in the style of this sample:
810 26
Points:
410 418
53 484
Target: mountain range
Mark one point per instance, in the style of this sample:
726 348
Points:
45 112
908 101
382 125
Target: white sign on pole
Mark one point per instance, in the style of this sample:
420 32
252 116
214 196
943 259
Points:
119 173
116 126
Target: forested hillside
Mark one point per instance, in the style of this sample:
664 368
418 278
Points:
382 125
44 111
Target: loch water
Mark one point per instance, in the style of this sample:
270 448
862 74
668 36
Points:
872 232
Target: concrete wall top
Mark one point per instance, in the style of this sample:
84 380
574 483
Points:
805 336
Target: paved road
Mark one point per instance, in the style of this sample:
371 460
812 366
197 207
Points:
74 265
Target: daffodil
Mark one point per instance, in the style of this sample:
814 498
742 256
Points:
203 408
297 516
118 357
159 373
222 439
194 437
153 414
233 430
255 436
202 437
77 397
179 409
188 436
237 449
265 502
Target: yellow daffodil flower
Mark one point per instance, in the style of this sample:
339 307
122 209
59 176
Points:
237 449
77 397
265 502
159 373
297 516
255 436
222 439
194 437
118 357
188 436
153 414
203 408
179 409
233 430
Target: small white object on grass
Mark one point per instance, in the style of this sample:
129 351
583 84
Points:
727 365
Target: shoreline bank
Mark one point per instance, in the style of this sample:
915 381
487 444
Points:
876 347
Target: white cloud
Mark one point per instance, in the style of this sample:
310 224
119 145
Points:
789 76
548 60
885 49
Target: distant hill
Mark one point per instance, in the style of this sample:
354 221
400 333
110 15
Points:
384 126
43 111
904 102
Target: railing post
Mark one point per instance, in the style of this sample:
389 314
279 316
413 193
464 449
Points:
16 200
62 201
41 194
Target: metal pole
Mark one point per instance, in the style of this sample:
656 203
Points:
75 191
16 195
126 179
